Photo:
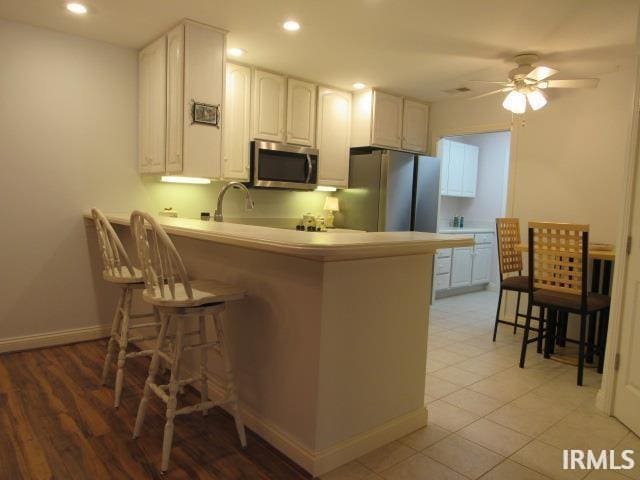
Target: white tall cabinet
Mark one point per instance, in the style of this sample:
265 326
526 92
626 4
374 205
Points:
152 105
236 122
301 112
334 136
185 65
459 168
268 106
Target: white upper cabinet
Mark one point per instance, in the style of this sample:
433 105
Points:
269 97
301 112
414 126
459 168
236 121
175 99
152 104
334 122
183 67
383 120
387 120
470 171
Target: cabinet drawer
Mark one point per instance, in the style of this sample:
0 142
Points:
444 253
443 265
483 238
442 281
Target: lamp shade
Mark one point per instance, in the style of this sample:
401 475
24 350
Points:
515 102
331 204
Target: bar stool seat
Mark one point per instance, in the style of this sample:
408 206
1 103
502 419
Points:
203 292
571 302
517 283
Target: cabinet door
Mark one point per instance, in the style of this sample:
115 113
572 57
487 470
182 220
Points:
175 98
456 168
461 265
203 82
334 121
269 95
387 120
301 112
236 122
414 126
443 154
470 171
482 264
152 97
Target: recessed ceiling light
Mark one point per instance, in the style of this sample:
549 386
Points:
77 8
358 85
291 26
235 52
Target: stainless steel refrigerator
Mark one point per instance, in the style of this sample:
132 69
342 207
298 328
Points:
391 191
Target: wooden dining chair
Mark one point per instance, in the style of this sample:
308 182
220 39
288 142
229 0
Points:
118 270
558 281
510 269
178 298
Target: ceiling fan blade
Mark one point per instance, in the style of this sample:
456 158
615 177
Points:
541 72
576 83
506 89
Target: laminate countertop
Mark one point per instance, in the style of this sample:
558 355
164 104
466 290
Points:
319 246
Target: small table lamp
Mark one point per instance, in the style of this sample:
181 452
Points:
330 205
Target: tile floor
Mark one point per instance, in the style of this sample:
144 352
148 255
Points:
490 419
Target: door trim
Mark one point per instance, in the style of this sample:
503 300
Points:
605 396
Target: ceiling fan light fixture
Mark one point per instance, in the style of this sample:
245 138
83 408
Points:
515 102
537 99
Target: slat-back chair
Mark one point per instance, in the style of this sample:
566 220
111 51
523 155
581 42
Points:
558 281
510 268
118 269
177 297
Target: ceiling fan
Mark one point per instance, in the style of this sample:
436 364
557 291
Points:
527 83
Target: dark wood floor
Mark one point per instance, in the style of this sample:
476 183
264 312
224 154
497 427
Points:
56 421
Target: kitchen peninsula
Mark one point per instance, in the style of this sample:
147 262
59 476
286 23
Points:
330 346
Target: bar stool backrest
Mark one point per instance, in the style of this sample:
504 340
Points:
161 265
508 233
114 257
559 258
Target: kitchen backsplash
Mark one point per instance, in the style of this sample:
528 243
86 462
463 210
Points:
272 207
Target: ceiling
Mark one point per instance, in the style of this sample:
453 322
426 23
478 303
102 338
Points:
417 48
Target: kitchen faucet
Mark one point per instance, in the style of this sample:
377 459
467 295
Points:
248 201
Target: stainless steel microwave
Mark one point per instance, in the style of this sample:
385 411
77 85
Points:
277 165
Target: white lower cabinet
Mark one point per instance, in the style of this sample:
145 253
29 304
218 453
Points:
465 266
461 265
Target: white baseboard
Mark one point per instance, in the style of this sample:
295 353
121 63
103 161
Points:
50 339
319 462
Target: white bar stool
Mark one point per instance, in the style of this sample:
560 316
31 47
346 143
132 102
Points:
117 269
176 298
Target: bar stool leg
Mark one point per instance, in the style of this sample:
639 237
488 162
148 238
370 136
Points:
581 352
515 318
172 403
495 326
153 370
115 326
231 387
122 354
204 389
541 325
525 337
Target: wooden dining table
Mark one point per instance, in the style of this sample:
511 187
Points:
603 258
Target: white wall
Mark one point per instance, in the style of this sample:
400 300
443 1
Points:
569 156
490 200
67 142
